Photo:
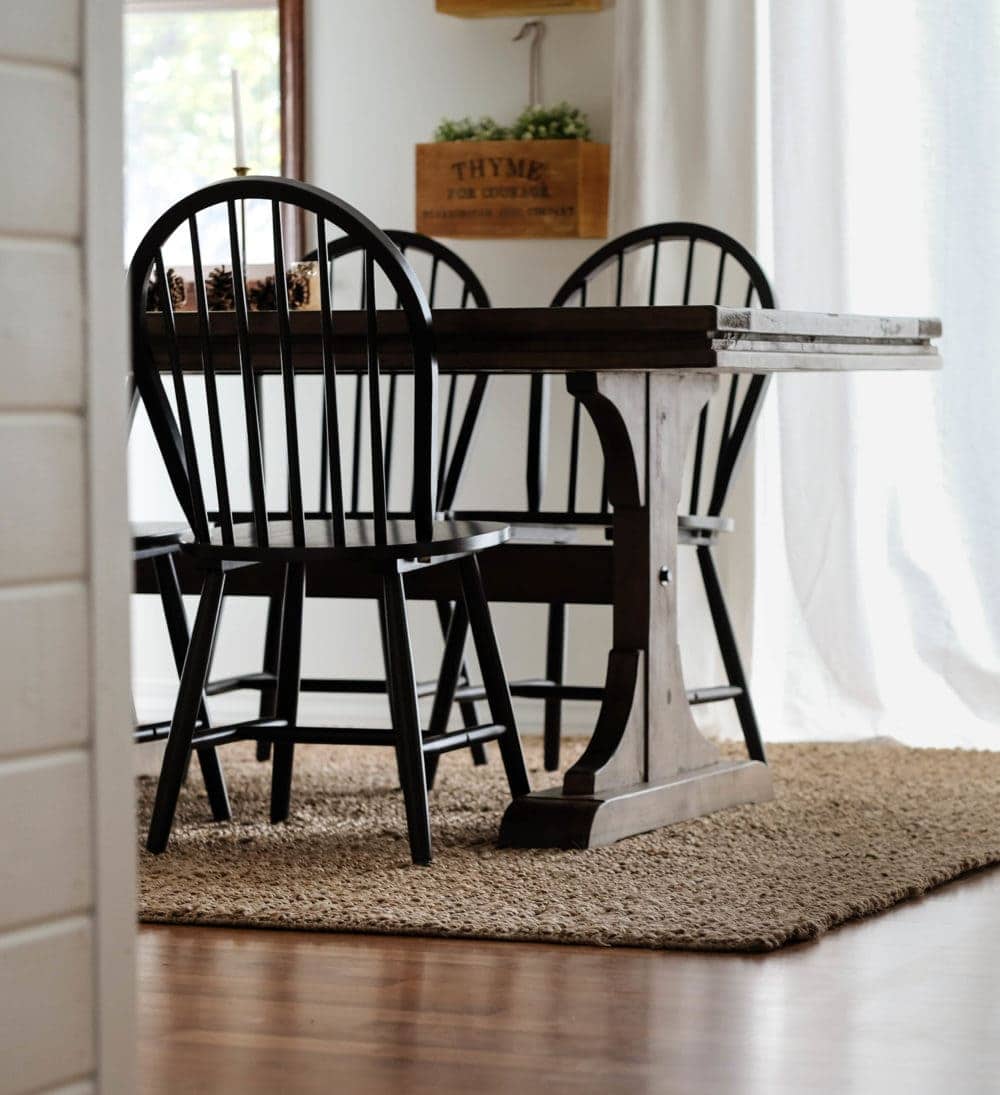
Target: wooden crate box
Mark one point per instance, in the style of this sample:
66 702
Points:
479 8
513 189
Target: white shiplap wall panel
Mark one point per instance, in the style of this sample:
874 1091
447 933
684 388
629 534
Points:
66 858
41 325
42 31
42 497
46 1006
43 679
40 138
45 814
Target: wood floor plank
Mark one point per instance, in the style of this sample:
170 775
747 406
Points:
906 1001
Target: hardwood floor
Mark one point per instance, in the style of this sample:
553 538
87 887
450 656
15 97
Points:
905 1002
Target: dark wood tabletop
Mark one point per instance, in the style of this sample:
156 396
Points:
563 340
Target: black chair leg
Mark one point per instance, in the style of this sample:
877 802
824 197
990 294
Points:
730 654
470 716
494 678
189 701
287 698
555 661
452 667
402 690
177 629
269 693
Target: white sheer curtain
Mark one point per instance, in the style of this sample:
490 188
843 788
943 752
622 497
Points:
873 169
683 148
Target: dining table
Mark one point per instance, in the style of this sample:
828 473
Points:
643 375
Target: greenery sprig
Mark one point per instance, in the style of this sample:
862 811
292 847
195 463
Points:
465 129
535 123
551 123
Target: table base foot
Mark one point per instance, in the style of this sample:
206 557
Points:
552 819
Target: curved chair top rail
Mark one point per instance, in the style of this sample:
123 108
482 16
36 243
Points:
184 452
452 455
741 406
441 255
654 234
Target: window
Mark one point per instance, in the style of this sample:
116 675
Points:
179 56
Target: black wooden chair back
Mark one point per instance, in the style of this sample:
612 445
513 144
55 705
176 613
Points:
195 462
459 287
671 263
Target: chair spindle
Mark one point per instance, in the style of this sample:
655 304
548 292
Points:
225 509
254 447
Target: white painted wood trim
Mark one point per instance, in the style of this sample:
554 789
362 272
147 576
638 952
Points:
110 566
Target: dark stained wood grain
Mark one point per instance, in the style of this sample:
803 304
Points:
525 340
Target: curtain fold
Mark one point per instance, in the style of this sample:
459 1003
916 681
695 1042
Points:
856 148
683 149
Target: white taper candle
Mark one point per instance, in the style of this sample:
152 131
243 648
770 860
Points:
241 151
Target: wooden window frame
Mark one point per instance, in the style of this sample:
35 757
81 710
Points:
291 32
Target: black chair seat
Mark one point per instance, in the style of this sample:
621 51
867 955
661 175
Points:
153 537
449 538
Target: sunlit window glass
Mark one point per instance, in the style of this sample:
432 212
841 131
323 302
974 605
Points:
179 57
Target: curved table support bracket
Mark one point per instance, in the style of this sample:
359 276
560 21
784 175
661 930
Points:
647 764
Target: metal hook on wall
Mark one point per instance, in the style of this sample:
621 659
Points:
537 26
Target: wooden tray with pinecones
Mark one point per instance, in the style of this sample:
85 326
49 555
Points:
302 280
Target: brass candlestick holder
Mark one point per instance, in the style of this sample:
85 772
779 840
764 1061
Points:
242 170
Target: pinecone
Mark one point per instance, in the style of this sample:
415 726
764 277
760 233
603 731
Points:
264 299
178 293
219 290
298 284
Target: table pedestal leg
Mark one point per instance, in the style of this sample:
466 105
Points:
647 765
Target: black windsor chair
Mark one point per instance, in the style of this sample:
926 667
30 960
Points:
734 276
383 544
449 281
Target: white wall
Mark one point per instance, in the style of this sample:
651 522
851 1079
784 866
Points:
66 859
380 76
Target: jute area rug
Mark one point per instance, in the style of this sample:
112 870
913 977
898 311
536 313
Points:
854 829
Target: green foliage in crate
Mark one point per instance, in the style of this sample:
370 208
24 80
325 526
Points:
535 123
465 129
551 123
